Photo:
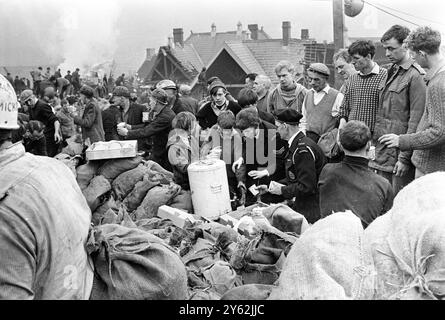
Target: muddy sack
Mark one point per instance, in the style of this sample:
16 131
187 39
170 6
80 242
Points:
135 197
329 261
410 250
221 276
285 219
131 264
158 168
96 190
126 181
183 201
113 168
73 149
98 215
86 172
70 161
155 197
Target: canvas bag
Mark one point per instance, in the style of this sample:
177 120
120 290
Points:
328 261
133 264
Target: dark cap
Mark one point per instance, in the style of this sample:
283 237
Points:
289 116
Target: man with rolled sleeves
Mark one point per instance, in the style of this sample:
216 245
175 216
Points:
303 164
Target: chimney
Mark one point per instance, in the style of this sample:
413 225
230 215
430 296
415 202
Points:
170 42
213 33
286 33
254 31
304 34
150 53
178 36
239 29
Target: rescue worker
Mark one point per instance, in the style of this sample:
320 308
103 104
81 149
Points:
91 119
42 111
44 221
303 164
173 98
159 125
131 112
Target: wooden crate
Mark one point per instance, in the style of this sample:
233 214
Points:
112 150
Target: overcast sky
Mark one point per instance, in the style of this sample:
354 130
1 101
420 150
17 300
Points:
94 31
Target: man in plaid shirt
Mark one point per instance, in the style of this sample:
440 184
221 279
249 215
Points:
362 89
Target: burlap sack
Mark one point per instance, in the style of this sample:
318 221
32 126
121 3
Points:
415 240
70 161
97 188
132 264
158 168
155 197
98 215
135 197
183 201
86 172
126 181
113 168
221 276
328 261
285 219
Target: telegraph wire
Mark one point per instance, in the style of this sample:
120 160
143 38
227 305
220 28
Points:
391 14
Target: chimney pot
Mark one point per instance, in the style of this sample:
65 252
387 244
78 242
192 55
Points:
178 36
213 32
239 29
254 31
286 32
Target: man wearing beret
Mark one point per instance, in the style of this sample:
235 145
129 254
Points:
321 104
303 164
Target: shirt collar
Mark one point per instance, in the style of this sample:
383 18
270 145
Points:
407 64
432 72
375 70
11 153
293 138
325 90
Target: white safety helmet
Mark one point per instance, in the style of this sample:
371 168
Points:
9 105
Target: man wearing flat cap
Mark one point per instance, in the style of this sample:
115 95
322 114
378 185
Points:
321 105
303 164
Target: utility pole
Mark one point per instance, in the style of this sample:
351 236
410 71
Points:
339 30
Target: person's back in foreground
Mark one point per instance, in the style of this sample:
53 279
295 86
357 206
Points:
43 233
351 184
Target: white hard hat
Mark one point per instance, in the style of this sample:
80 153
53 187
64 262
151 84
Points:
8 105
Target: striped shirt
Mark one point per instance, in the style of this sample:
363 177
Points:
361 99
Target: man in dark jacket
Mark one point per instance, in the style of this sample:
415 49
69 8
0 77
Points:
131 112
189 103
263 153
41 111
159 125
304 162
91 119
351 184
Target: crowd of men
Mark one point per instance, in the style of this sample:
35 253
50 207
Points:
318 149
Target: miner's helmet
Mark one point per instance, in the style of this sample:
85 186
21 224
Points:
8 105
166 84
